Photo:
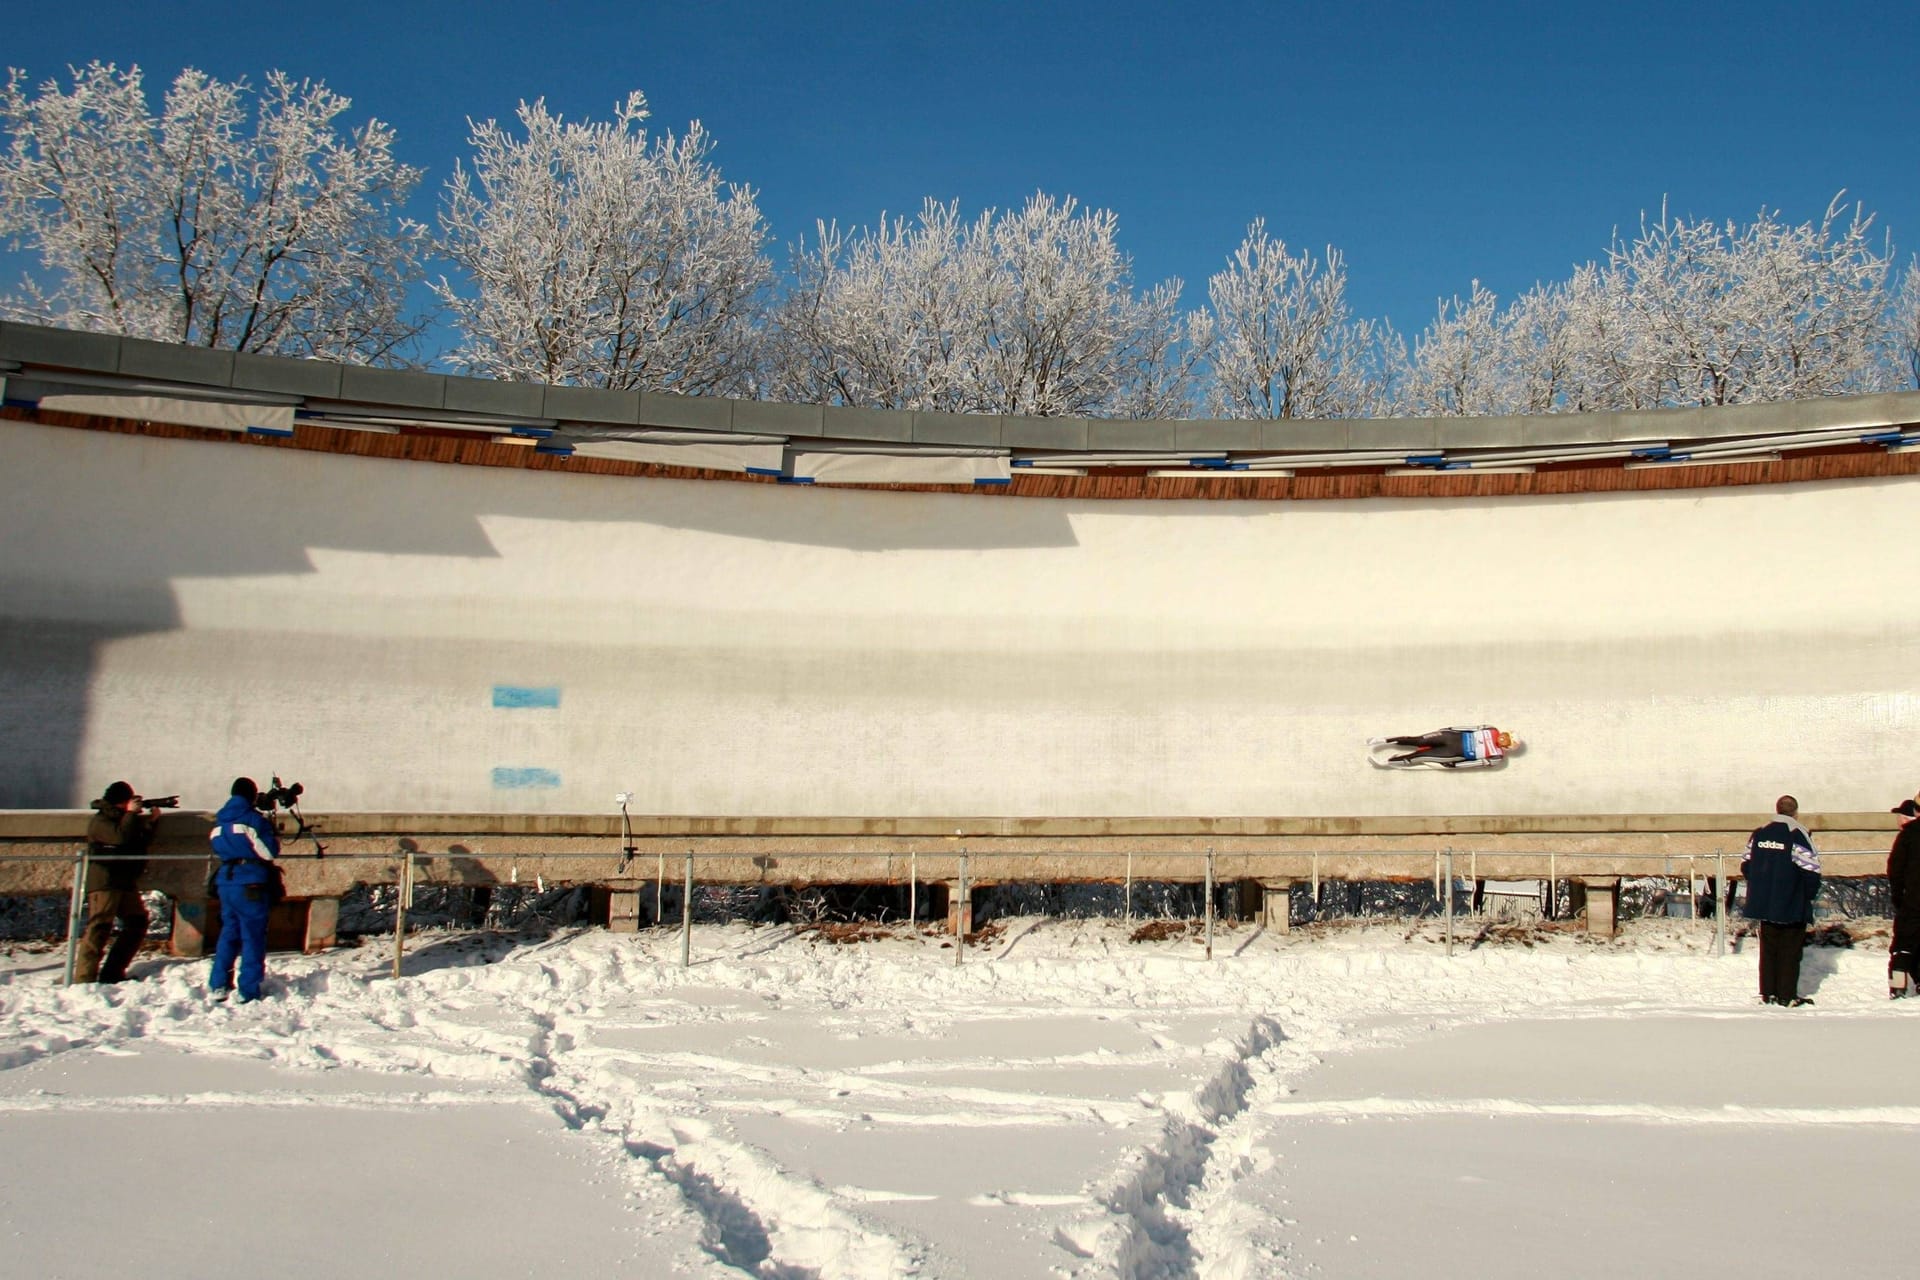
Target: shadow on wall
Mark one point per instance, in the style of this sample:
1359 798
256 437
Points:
44 679
99 525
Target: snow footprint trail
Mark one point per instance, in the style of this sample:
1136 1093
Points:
1147 1234
755 1217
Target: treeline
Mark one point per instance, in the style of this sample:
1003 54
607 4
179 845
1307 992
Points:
600 253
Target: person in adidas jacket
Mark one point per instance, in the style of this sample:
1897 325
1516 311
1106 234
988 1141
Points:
1783 877
246 844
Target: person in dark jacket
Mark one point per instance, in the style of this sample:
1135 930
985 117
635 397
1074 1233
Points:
247 881
117 836
1903 884
1783 878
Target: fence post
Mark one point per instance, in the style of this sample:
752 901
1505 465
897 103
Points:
1315 868
1721 901
1693 887
76 913
1209 904
1129 908
913 889
1449 903
1473 874
963 912
400 909
660 889
1553 884
686 917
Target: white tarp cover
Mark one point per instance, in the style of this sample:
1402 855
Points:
872 468
709 457
217 415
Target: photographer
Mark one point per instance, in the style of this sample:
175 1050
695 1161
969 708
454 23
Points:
118 835
248 884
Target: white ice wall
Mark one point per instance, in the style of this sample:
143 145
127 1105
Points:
746 649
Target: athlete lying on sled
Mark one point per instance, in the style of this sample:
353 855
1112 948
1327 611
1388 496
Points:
1461 747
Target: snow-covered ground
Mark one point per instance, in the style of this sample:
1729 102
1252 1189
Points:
1064 1103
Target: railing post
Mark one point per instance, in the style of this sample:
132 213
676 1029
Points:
1315 868
400 909
913 889
963 912
1209 904
686 917
1449 902
1553 884
1721 901
1129 908
76 913
660 889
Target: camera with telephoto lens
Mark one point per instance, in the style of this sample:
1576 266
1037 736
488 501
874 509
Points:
281 795
160 802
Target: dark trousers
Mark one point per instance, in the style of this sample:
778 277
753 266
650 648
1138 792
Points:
1902 957
104 906
1780 948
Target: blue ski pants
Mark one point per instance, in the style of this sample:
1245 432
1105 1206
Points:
243 934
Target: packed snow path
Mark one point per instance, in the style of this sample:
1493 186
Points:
1065 1103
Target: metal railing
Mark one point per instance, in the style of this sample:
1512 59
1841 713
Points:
963 862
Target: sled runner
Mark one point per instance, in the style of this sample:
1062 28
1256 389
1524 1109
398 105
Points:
1459 747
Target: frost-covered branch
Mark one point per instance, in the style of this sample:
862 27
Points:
597 255
253 224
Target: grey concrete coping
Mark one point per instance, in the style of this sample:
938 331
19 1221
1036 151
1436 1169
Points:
1122 433
400 387
891 426
592 404
165 360
1216 433
1305 433
285 377
1044 433
699 413
956 428
484 395
60 349
779 419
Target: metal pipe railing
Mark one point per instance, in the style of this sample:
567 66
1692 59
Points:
413 863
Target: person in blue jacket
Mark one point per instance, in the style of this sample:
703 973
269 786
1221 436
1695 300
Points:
1783 878
248 882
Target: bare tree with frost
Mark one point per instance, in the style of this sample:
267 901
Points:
228 220
598 255
1028 311
1688 313
1728 315
1903 333
1456 366
1284 344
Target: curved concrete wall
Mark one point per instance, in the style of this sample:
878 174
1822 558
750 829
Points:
406 636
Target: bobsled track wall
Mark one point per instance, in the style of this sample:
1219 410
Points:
411 637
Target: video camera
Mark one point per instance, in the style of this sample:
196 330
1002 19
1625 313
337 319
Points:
286 795
280 795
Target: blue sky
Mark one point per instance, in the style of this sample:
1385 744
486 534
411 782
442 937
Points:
1432 144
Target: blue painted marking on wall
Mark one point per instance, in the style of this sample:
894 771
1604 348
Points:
270 431
516 697
518 779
